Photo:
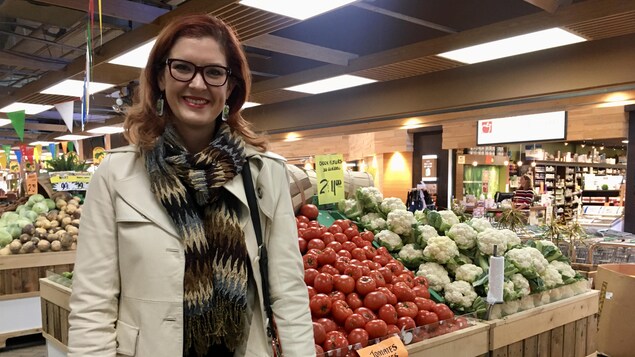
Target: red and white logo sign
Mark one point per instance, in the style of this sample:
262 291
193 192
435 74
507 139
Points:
486 127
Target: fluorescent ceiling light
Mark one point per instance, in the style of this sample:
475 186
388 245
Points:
43 143
535 41
107 130
30 109
4 122
72 137
75 88
331 84
298 9
250 105
137 57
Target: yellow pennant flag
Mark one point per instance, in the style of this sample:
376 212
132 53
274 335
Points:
3 160
37 151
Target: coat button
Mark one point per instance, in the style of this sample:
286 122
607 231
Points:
259 192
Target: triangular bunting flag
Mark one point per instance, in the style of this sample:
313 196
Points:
66 111
17 120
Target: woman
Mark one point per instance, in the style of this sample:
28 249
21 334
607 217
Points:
524 195
168 262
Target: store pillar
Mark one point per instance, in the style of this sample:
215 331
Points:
629 209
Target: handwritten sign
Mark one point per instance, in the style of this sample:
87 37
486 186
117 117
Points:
70 180
31 183
330 177
390 347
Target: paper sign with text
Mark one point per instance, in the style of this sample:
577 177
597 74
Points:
70 180
330 177
390 347
31 183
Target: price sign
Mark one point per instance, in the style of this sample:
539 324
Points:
31 183
70 180
330 177
390 347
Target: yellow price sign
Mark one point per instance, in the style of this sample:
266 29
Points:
330 177
70 180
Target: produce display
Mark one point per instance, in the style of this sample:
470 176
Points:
360 294
41 225
454 256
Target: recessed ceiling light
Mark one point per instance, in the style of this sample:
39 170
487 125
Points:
4 122
250 105
298 9
107 130
72 137
29 108
625 141
137 57
531 42
331 84
292 137
75 88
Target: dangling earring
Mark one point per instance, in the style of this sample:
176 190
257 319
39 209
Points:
225 112
160 105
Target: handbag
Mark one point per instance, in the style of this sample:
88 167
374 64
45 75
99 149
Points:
272 331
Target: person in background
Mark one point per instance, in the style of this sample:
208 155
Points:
524 195
168 263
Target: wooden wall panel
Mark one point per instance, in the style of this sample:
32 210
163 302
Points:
397 174
392 141
361 146
312 147
457 135
597 123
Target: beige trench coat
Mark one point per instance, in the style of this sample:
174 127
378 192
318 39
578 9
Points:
127 295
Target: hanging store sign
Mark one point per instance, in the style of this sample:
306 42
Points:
522 128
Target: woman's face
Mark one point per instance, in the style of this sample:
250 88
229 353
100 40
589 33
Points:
523 182
195 104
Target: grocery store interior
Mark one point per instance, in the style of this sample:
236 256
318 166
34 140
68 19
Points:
441 110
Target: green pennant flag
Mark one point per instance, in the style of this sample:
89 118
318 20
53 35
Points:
17 120
71 146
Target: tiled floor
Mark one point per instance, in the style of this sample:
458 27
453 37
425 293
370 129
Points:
33 351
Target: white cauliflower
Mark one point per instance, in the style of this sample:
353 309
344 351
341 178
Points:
521 285
526 303
374 222
468 272
541 298
489 238
436 274
449 219
460 294
390 204
564 269
389 239
511 237
480 224
423 233
421 216
580 286
511 307
411 256
350 208
400 221
551 276
509 293
529 261
455 263
463 235
369 197
441 249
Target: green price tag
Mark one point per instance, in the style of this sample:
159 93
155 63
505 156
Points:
330 177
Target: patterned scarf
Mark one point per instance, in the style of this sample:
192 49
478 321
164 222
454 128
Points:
206 217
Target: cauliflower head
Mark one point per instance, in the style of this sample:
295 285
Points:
390 204
449 219
436 274
521 285
411 256
489 238
369 197
440 249
564 269
350 208
389 239
374 222
401 221
551 276
421 216
529 261
509 293
424 233
511 237
460 294
463 235
468 272
480 224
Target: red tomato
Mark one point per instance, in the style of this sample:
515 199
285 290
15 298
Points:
342 263
373 265
348 245
461 322
302 219
406 323
367 236
319 351
354 271
351 232
311 291
384 251
328 238
370 252
378 277
405 278
335 340
314 251
337 295
320 305
309 276
340 311
401 266
327 256
386 273
366 271
344 283
365 285
323 283
443 311
334 228
344 253
425 317
336 246
329 325
405 308
329 269
358 336
301 232
344 223
359 242
374 300
319 334
358 254
421 291
354 301
388 313
395 269
392 298
393 330
310 211
376 328
310 261
354 321
402 291
315 224
421 280
366 313
424 303
302 244
314 243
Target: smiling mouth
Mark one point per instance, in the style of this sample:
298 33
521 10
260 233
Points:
196 101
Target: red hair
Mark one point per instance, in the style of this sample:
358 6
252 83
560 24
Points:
142 123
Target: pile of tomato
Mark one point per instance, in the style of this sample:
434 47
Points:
359 293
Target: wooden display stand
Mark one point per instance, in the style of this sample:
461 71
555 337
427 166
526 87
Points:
563 328
19 290
55 309
468 342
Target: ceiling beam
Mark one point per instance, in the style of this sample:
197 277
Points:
121 9
45 127
300 49
584 11
551 6
11 59
396 15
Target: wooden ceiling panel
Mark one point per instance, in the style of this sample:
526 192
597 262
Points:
250 22
47 99
409 68
604 27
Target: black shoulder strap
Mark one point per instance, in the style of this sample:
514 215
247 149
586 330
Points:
262 249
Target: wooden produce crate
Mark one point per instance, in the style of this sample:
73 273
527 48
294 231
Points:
55 309
468 342
20 273
563 328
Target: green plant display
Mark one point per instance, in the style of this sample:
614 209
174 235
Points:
66 162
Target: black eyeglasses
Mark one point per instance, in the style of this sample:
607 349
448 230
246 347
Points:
184 71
